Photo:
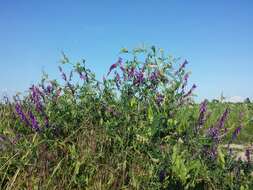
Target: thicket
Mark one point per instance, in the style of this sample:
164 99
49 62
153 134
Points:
138 128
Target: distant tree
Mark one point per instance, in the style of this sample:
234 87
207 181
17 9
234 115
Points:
215 101
247 101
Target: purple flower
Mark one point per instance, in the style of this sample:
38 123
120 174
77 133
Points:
202 111
64 77
34 122
223 118
159 98
36 95
21 114
213 153
186 77
139 77
117 80
130 72
190 91
236 132
247 154
214 133
81 75
162 175
181 67
121 66
49 89
113 66
154 76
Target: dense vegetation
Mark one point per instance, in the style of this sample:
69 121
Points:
138 128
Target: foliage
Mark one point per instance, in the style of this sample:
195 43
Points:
139 128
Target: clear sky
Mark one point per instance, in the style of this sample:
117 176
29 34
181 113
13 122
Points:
215 36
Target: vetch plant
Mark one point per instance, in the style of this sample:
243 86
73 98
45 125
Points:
138 128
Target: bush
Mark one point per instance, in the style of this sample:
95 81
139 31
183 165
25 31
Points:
136 129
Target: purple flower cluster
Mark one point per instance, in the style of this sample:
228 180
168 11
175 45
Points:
159 98
181 67
190 91
122 68
49 89
236 132
117 80
185 81
34 123
223 118
212 153
130 72
216 132
83 75
115 65
31 122
64 77
21 114
247 154
202 112
154 76
138 77
36 96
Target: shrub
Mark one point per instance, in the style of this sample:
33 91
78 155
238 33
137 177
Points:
136 129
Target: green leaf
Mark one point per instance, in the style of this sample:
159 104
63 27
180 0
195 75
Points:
221 159
150 114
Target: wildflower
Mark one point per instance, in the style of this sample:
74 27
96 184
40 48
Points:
49 89
213 153
159 98
130 72
154 76
223 118
117 80
64 77
162 175
34 122
113 66
186 77
36 95
236 132
81 75
21 114
139 77
190 91
181 67
121 66
202 110
247 154
214 133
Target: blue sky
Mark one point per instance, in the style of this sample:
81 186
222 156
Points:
215 36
